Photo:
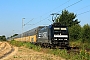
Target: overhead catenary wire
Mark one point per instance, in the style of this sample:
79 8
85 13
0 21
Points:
58 6
28 22
84 12
70 5
60 10
49 20
64 8
82 8
42 20
48 12
76 10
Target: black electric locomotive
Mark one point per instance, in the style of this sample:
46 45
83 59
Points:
55 35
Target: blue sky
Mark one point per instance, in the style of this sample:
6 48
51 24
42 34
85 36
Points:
12 12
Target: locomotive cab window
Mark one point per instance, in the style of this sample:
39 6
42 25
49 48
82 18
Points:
58 30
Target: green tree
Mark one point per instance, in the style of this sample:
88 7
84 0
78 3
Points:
67 18
75 32
86 33
3 38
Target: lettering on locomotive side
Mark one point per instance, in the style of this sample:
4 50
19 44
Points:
42 35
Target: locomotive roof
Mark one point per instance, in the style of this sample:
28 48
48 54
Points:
29 32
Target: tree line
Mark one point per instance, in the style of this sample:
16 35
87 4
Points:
78 32
3 38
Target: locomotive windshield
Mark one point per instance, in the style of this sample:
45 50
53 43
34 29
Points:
43 32
60 30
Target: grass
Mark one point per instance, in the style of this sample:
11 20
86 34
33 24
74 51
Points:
25 44
83 55
79 44
16 43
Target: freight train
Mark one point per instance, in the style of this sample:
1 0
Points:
54 35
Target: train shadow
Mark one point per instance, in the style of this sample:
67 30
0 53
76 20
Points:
70 48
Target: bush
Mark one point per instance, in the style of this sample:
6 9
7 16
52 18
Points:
75 32
16 43
86 33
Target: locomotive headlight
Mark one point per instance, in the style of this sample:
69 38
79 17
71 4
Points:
56 28
65 39
59 39
55 39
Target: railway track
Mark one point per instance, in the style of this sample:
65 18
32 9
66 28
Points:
5 50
